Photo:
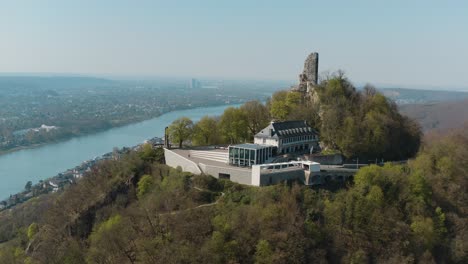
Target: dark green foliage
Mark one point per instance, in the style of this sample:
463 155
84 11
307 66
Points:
233 125
363 124
151 154
137 211
28 186
206 132
145 184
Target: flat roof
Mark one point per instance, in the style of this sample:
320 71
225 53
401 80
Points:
185 153
203 159
251 146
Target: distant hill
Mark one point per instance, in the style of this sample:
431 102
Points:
416 96
54 82
439 116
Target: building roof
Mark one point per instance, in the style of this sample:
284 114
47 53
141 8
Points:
287 129
250 146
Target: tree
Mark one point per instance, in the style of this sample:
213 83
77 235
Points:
32 230
111 242
28 186
145 184
233 125
205 131
263 253
424 232
151 154
180 130
278 105
284 103
257 116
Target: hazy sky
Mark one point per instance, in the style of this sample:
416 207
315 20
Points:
408 43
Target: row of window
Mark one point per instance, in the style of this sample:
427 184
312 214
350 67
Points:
298 138
248 157
293 149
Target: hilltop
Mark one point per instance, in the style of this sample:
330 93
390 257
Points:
137 210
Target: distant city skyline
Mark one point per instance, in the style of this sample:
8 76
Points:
410 44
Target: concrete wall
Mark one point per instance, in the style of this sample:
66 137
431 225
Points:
242 176
175 160
262 178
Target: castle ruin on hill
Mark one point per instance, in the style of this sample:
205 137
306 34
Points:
309 76
279 152
308 79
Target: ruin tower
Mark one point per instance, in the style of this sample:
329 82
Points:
308 79
311 68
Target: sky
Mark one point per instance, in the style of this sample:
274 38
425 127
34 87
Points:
414 44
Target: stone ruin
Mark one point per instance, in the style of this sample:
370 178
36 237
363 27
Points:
309 77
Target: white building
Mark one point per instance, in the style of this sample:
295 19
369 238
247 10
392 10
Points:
289 137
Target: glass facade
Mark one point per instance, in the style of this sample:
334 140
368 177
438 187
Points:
246 155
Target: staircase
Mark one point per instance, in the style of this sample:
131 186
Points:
210 155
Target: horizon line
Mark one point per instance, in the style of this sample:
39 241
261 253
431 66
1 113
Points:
148 77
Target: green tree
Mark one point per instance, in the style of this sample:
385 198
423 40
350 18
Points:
284 103
205 131
111 242
233 125
32 230
147 152
145 184
180 130
278 106
440 223
424 232
257 116
263 252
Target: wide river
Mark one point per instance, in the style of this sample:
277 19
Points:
34 164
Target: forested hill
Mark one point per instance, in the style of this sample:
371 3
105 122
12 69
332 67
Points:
137 210
439 116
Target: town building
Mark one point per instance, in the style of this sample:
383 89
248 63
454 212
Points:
289 137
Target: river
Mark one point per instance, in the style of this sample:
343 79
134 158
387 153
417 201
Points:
34 164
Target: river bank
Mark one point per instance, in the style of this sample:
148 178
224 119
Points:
68 177
35 164
94 131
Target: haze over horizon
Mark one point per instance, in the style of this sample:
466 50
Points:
417 44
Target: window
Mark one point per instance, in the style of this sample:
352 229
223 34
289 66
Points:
224 176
